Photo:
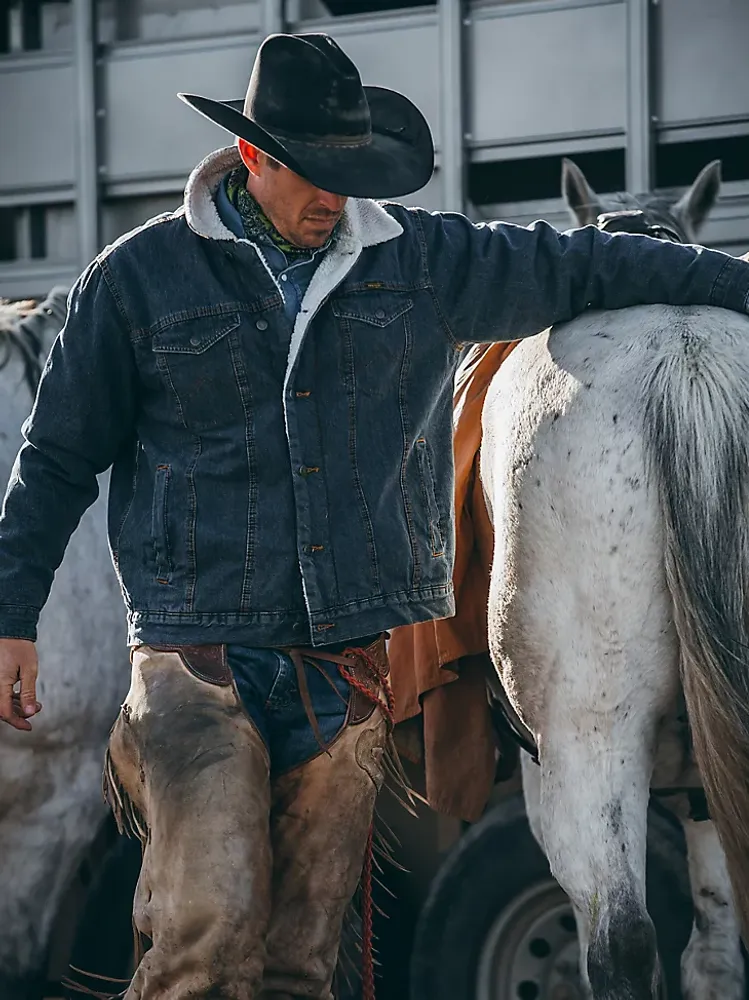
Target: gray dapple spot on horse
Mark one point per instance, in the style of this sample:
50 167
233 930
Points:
614 460
51 805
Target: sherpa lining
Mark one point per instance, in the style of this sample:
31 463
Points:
364 221
364 224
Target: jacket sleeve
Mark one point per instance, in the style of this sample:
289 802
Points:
83 413
497 281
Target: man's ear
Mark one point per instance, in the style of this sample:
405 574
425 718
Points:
250 155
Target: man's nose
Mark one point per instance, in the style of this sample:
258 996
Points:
331 202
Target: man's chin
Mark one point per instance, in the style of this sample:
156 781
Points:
316 238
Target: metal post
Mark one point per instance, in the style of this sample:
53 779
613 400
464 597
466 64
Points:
639 154
272 17
87 187
450 18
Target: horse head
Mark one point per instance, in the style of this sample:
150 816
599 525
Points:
677 219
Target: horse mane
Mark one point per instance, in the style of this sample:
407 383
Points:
23 325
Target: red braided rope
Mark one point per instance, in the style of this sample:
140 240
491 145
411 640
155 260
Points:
388 709
367 908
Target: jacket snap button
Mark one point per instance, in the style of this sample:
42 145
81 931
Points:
194 341
380 314
262 324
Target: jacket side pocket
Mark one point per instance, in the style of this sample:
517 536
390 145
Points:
427 479
159 529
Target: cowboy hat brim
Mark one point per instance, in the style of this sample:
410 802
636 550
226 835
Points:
396 161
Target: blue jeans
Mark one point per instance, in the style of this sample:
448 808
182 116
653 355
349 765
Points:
267 683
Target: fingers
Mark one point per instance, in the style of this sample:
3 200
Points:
18 667
16 718
17 705
19 723
28 671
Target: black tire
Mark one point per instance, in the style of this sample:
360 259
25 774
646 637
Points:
104 943
494 863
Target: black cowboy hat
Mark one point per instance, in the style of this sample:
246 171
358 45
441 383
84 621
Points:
306 107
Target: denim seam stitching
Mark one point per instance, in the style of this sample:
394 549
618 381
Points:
351 399
201 348
159 528
192 521
114 291
116 541
204 312
430 497
405 428
245 395
433 591
716 282
454 342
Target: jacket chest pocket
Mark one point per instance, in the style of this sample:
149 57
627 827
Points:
200 361
376 340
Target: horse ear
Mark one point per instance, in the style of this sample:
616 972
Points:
583 203
696 203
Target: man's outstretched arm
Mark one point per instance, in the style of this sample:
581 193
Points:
84 412
498 281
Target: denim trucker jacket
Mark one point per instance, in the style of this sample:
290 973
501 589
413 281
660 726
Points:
278 482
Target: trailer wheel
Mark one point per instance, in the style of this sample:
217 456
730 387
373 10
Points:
497 926
104 944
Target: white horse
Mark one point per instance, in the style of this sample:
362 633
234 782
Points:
615 462
51 804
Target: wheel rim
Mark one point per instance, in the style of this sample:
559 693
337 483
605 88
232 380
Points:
531 951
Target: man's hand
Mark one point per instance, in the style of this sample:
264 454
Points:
18 663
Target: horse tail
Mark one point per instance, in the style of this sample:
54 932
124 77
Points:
697 441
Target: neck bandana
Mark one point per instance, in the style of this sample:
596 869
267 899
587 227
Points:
257 226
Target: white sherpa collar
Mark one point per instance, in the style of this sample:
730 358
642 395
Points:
364 222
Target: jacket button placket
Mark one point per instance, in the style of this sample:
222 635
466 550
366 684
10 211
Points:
310 498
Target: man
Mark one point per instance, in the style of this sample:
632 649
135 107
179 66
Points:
269 373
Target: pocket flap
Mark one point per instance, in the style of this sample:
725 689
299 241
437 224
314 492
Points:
193 336
375 309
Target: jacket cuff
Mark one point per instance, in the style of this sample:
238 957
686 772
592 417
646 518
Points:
731 288
18 621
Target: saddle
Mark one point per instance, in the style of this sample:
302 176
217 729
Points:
444 718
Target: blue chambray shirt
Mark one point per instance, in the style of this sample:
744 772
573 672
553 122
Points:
293 278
